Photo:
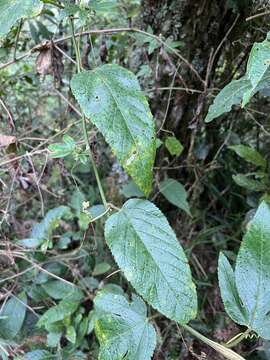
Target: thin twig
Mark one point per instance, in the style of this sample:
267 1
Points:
68 102
169 100
37 184
9 114
258 15
17 39
109 31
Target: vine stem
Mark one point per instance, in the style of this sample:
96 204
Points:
227 353
237 339
84 127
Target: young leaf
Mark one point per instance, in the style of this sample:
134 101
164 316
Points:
111 97
230 95
38 355
62 149
229 293
60 311
12 11
131 190
103 6
147 250
248 183
252 272
174 146
58 289
258 69
122 328
101 269
175 193
42 231
249 154
12 316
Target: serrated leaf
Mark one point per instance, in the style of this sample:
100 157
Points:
230 95
257 78
111 97
249 183
249 154
174 146
122 328
12 316
258 69
148 252
252 272
13 10
175 193
229 293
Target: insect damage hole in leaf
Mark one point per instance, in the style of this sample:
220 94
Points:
122 115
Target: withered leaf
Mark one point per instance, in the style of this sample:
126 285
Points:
6 140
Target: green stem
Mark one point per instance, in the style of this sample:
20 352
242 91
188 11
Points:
76 47
85 135
87 142
17 39
237 339
227 353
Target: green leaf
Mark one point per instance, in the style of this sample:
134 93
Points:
13 10
38 355
131 190
103 6
111 97
59 312
230 95
252 272
229 293
58 289
257 78
248 183
148 252
122 328
101 268
258 69
64 149
249 154
42 231
71 334
175 193
174 146
12 316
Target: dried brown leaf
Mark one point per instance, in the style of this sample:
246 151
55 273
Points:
6 140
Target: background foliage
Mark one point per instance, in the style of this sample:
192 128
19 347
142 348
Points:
209 177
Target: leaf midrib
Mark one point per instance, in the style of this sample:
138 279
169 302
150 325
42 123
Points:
120 110
157 266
